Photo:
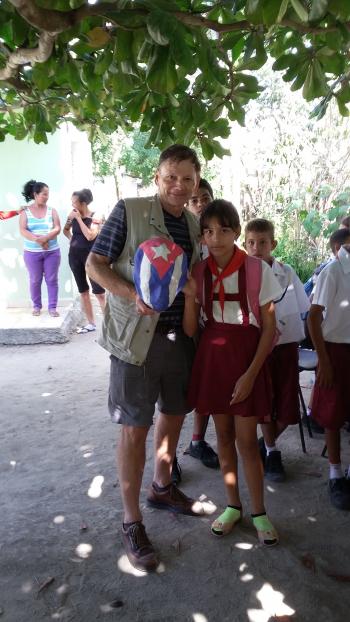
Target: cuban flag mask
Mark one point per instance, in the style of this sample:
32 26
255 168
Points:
160 272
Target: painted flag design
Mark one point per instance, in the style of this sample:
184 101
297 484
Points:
160 272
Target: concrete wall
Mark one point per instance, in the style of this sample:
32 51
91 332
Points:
65 165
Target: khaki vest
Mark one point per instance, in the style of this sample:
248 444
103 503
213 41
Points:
126 334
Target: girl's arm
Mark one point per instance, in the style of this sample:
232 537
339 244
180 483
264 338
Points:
314 323
192 308
90 234
43 239
67 229
245 383
5 215
23 228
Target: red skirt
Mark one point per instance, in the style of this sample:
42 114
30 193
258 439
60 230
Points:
224 353
284 370
331 406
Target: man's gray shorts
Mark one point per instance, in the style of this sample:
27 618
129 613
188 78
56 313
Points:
163 379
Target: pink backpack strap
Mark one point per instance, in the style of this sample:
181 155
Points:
254 277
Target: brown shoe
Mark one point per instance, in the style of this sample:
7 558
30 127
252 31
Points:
138 548
174 500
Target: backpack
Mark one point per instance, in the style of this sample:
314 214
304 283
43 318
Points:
253 275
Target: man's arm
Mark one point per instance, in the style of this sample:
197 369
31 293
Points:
99 269
314 322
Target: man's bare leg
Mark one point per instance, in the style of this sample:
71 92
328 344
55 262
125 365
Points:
166 436
131 455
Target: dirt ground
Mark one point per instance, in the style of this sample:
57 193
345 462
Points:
60 550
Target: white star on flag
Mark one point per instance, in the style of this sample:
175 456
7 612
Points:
161 251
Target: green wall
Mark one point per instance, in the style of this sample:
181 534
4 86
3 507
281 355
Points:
64 164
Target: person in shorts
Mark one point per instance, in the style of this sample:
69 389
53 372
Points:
151 357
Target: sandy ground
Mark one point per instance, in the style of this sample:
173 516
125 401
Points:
61 516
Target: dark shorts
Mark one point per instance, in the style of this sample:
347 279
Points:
331 407
77 260
163 379
284 370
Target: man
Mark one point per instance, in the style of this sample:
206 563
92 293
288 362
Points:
151 357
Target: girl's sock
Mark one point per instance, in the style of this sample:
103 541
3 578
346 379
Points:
335 471
269 449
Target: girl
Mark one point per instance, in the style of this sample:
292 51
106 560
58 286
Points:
229 378
81 231
40 225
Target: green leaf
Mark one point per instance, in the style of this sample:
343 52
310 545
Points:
318 10
155 27
283 10
161 74
207 148
315 83
300 10
271 10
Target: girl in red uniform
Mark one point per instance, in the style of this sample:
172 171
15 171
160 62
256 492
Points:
234 293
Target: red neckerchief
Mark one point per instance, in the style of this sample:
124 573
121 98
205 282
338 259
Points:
233 265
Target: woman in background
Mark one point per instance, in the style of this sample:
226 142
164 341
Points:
81 230
40 225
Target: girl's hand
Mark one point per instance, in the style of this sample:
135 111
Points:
190 288
73 214
324 374
243 388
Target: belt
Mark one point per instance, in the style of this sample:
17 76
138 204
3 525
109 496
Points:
167 329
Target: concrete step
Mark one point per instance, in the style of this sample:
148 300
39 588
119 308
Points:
19 327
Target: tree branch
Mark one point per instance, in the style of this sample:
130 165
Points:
23 56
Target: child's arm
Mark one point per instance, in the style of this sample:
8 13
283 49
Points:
245 383
314 322
5 215
191 310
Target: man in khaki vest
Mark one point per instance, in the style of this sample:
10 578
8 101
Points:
151 357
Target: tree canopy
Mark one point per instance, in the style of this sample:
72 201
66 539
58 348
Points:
181 68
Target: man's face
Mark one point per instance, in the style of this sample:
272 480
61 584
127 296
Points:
177 182
259 245
199 201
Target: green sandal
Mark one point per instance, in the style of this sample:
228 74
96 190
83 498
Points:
224 524
267 534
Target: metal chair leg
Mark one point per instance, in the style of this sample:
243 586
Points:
302 402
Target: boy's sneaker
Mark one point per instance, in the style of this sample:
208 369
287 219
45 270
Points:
138 548
203 452
262 449
274 469
339 493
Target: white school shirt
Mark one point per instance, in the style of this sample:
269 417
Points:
290 307
269 291
333 293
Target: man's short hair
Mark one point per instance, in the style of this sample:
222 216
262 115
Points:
261 225
338 238
178 153
203 183
224 212
345 222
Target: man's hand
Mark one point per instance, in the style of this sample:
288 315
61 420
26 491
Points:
243 388
143 309
324 373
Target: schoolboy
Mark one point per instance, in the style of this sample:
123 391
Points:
198 447
329 326
283 360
